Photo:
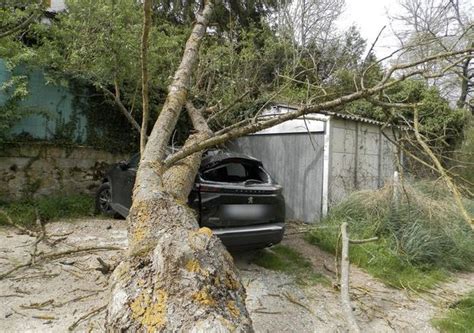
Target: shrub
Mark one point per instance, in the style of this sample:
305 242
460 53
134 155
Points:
422 235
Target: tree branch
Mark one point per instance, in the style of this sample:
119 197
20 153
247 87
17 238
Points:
144 62
328 105
36 14
457 196
198 120
122 108
345 298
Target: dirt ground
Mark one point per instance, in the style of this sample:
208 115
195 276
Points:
68 292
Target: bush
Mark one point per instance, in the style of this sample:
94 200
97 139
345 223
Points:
421 237
49 208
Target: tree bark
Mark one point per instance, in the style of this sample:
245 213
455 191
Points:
345 297
177 277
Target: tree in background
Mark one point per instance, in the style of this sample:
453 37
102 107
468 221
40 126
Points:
439 25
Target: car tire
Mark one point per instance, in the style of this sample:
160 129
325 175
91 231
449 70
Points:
103 199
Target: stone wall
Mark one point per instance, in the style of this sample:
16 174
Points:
32 170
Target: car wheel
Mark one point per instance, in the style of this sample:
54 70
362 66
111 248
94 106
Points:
103 199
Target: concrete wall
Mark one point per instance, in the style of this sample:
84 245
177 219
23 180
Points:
360 158
39 170
296 162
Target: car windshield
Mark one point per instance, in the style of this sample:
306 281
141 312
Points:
237 172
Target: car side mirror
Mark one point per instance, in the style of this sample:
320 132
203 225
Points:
123 165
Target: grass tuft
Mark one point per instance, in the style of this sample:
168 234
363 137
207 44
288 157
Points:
421 237
460 318
285 259
49 208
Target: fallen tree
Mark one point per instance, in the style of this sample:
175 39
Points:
177 276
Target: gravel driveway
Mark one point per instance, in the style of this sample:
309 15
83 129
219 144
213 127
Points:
69 292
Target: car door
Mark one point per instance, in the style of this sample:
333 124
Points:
123 182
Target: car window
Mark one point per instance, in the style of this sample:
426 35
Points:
236 173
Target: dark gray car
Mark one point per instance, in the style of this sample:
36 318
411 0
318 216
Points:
233 195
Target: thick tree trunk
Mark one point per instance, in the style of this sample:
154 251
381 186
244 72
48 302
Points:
177 277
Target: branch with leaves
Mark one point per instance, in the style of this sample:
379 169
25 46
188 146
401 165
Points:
248 127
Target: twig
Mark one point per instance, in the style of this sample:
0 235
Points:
19 313
14 269
104 267
267 312
44 275
326 267
362 241
79 298
45 317
37 305
11 295
56 255
294 301
88 315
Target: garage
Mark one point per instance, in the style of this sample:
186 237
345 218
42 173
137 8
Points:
321 158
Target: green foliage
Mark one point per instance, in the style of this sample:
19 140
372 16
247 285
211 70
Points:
15 89
49 208
460 318
285 259
421 238
98 44
228 13
14 13
438 121
98 41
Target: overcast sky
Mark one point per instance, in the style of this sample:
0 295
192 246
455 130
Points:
370 16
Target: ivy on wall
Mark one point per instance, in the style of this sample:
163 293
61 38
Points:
92 120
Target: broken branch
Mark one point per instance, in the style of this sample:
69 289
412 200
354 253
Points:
345 298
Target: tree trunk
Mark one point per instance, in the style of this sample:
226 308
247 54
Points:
177 277
144 62
465 80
